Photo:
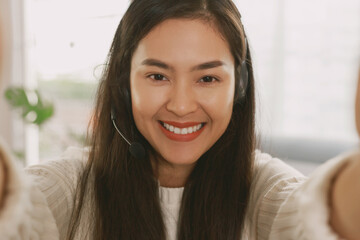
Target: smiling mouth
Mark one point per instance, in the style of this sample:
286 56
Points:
182 131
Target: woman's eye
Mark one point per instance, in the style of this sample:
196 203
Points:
208 79
157 77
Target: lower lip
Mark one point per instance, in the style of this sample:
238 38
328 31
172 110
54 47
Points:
181 137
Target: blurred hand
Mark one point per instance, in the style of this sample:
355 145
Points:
345 201
2 177
357 105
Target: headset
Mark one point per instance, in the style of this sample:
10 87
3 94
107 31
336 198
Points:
244 72
137 150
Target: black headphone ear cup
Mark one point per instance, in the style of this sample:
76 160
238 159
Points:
244 79
124 91
127 98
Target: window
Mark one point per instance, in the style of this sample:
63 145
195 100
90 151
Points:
306 56
306 60
72 41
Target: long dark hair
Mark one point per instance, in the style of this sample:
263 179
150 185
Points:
123 190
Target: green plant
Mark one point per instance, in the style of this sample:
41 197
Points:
33 108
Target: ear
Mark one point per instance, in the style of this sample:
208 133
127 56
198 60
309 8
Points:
357 105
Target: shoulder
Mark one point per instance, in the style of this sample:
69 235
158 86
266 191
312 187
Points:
272 182
66 169
271 175
73 159
270 170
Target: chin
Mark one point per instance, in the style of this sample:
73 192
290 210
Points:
181 160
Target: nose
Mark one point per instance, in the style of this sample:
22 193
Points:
182 100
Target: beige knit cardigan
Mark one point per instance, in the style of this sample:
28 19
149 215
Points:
283 204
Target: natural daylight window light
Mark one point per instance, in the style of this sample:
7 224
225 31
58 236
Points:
72 39
306 60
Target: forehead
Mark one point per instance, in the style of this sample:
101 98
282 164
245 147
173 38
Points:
186 39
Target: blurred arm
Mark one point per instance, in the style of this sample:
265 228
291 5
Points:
2 178
357 105
345 202
345 195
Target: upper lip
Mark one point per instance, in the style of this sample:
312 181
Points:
182 124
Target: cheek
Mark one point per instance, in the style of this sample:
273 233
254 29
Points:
140 107
220 106
145 102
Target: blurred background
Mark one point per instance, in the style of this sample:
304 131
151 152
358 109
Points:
306 58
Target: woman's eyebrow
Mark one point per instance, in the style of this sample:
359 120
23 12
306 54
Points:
156 63
208 65
202 66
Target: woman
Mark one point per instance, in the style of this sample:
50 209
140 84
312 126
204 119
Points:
179 87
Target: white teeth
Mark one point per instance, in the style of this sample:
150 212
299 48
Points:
182 131
177 130
190 130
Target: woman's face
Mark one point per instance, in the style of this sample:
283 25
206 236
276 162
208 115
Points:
182 88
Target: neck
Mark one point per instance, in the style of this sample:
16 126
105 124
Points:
170 175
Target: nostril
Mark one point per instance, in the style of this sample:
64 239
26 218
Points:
182 105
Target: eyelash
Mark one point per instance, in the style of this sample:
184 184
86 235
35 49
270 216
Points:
213 79
153 77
